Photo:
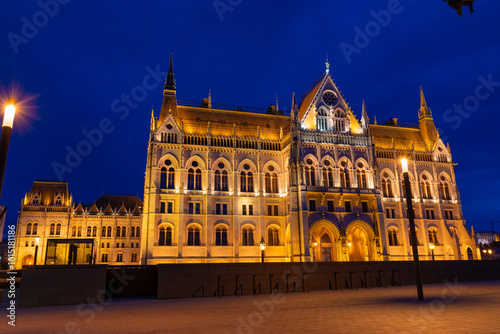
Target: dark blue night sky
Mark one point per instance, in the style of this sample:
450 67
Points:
75 68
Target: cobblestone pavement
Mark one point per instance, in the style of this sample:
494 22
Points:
468 307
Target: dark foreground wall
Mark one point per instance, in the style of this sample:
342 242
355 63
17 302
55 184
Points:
197 280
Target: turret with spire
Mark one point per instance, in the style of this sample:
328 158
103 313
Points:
364 117
169 95
426 123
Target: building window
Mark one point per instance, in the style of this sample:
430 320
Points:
89 231
247 209
387 188
448 214
162 207
79 231
124 231
444 190
94 231
118 231
433 237
310 176
104 257
404 188
390 213
429 213
362 182
110 230
331 207
73 231
347 206
221 208
132 232
52 229
246 182
171 178
103 232
35 229
58 229
163 178
170 207
272 210
344 178
133 258
274 183
364 206
197 181
393 237
221 236
273 236
312 205
119 257
247 237
165 236
194 236
328 177
194 179
194 208
425 187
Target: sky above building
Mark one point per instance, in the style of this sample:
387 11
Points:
88 73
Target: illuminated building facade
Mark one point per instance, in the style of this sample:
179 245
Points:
111 225
318 185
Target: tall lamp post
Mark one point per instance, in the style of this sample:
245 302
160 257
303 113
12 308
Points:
8 121
262 246
413 234
431 246
37 241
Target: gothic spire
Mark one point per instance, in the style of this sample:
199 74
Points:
170 82
294 111
327 64
364 116
152 120
424 111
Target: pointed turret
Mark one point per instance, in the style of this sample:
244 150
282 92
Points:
169 104
426 123
327 64
152 126
364 117
295 110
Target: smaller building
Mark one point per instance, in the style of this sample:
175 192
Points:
107 231
487 237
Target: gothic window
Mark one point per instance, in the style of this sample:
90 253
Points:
328 177
274 183
119 257
444 190
224 181
52 229
118 231
73 231
433 237
58 200
247 237
362 183
268 182
194 236
325 239
109 231
217 180
132 232
310 176
133 257
137 232
28 229
58 229
344 177
89 231
221 236
103 232
36 199
339 121
35 229
191 179
165 236
104 257
404 189
322 119
393 237
163 178
425 188
94 231
243 182
273 236
171 178
124 232
197 183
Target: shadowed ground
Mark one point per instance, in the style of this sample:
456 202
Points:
469 307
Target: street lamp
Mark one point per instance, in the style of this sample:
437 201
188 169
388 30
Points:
8 121
37 241
431 246
314 244
262 246
413 234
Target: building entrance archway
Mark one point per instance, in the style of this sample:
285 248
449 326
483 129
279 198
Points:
358 244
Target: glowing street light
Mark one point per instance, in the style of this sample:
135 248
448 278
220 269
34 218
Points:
431 246
413 233
8 121
262 246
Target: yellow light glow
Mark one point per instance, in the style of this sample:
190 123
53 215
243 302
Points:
431 246
484 251
37 241
315 244
349 244
8 116
404 165
489 251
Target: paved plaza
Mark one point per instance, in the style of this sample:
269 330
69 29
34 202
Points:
468 307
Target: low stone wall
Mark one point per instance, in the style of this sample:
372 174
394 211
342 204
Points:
197 280
60 285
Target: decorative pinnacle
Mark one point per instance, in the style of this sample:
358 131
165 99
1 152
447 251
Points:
327 64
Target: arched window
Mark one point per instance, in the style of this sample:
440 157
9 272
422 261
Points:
133 257
191 179
109 231
119 257
268 182
132 232
94 231
104 257
221 236
433 237
327 177
310 176
247 237
35 229
425 188
224 182
58 229
80 231
325 239
118 231
274 183
273 236
52 229
250 181
444 190
124 231
73 231
103 232
137 232
171 178
344 178
28 229
198 180
362 183
165 236
194 236
89 231
163 178
393 237
217 181
243 182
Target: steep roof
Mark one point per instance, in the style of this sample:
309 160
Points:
47 190
116 202
403 137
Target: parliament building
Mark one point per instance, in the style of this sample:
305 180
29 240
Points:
318 185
